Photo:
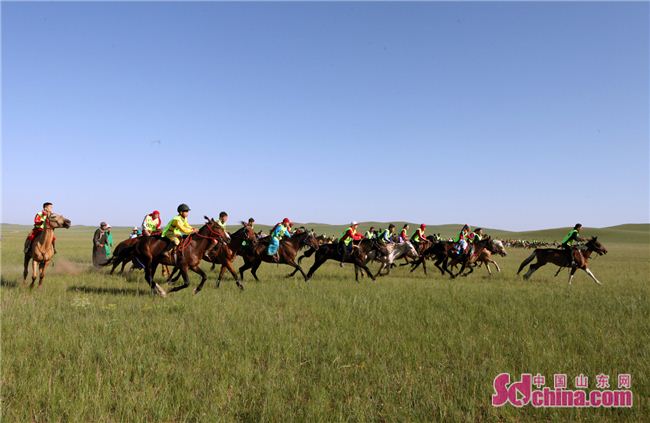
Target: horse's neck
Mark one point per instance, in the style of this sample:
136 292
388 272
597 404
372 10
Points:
46 239
587 253
297 239
201 243
237 239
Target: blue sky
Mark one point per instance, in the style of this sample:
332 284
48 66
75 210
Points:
508 115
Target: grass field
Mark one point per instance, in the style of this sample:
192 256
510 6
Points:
90 347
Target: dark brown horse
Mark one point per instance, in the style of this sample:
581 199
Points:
124 253
439 252
559 257
357 257
150 251
287 252
225 254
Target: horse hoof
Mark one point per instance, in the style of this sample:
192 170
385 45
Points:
240 286
195 291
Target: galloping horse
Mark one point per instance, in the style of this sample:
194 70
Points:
559 258
42 250
466 259
440 252
358 257
124 253
287 252
225 254
149 251
389 254
485 257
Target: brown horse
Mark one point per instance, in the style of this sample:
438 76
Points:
559 257
225 254
287 252
485 257
124 253
439 252
42 251
357 257
150 251
466 259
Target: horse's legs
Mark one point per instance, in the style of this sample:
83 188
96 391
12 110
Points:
254 268
382 267
496 264
204 277
221 272
294 272
186 279
115 264
487 265
533 268
317 263
586 269
362 265
243 268
26 266
41 275
297 267
417 263
35 265
573 270
233 273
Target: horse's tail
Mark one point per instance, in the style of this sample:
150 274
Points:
110 261
528 260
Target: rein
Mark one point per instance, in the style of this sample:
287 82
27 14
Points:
186 242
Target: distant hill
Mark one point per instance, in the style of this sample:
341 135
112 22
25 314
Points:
626 233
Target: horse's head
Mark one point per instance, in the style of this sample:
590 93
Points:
58 221
213 230
496 247
310 240
595 245
249 233
411 252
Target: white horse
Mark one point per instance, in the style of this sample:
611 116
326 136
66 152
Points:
394 251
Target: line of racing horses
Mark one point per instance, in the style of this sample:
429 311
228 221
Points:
212 244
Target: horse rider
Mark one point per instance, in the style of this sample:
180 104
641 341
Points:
135 232
223 218
569 239
387 234
403 235
151 224
39 226
177 228
370 234
418 237
461 239
345 240
279 231
473 238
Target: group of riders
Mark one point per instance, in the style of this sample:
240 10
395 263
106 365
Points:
178 228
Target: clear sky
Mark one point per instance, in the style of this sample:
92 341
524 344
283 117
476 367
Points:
507 115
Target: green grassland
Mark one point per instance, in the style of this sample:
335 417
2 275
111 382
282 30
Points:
94 348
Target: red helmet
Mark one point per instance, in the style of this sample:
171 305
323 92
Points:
286 220
155 212
423 226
